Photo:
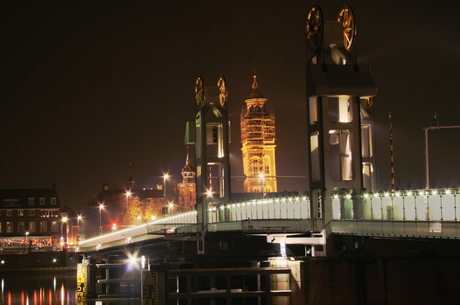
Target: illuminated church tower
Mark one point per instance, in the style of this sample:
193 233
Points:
186 190
258 144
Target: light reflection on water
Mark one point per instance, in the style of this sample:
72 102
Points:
27 289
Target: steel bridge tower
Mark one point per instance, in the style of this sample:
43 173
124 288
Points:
340 94
210 134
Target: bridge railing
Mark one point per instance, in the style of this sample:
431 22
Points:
160 226
269 208
423 205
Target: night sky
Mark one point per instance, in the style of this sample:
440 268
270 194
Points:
88 87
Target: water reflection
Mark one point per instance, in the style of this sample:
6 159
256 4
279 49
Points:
27 289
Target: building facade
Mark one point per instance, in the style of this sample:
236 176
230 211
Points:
186 191
258 144
30 216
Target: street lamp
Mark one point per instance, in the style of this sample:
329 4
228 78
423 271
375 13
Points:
165 177
171 206
78 221
64 228
261 175
128 194
27 233
139 219
101 206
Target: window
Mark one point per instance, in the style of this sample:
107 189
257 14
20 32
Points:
53 201
20 212
341 157
43 226
54 226
315 156
32 226
31 212
9 227
10 202
42 201
31 201
21 227
366 140
312 101
9 213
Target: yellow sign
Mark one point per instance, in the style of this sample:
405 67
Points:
81 283
149 288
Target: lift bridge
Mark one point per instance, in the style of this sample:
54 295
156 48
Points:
287 220
210 252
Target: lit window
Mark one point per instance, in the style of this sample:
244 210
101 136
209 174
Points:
345 110
366 142
20 212
9 227
9 213
42 201
31 212
31 201
54 226
53 201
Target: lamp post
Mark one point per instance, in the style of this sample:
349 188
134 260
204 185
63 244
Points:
78 222
171 206
128 194
64 228
261 175
27 234
101 206
139 219
165 177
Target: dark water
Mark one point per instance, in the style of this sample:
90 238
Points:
38 289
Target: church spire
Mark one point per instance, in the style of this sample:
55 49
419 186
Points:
255 86
188 172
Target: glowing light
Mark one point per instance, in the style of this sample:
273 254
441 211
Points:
409 193
376 195
132 261
366 195
336 196
398 194
64 219
387 194
348 196
448 192
209 193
